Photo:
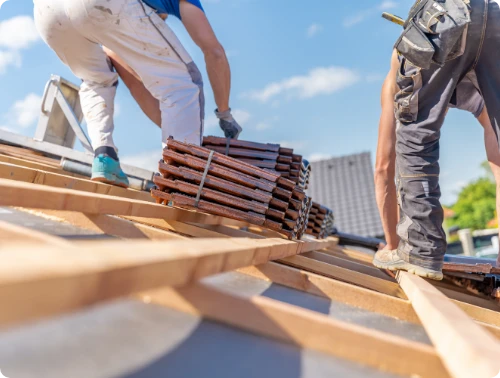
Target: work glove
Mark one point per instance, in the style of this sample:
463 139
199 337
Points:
227 123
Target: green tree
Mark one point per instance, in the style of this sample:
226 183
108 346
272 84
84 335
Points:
476 205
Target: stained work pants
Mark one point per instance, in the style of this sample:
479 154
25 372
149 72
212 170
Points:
421 107
76 30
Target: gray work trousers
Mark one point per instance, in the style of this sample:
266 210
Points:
421 107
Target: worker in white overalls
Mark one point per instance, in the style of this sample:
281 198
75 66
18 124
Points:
135 32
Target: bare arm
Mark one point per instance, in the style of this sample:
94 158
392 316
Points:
219 73
149 105
493 154
385 166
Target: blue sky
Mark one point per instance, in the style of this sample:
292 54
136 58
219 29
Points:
305 74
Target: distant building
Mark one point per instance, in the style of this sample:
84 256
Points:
345 185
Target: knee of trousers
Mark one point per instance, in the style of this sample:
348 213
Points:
97 102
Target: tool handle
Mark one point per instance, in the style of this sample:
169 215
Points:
395 19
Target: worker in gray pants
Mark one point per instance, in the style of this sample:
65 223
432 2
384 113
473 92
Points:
442 42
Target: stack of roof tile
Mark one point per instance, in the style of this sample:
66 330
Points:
321 221
271 157
232 188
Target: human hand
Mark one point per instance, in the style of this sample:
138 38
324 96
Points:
228 124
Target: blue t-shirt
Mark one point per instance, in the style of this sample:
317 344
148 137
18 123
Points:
171 7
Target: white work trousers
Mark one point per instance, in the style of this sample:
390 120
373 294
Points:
77 29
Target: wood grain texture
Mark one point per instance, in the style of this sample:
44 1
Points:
333 289
13 193
45 281
466 349
332 260
345 275
303 328
37 165
106 225
35 176
11 234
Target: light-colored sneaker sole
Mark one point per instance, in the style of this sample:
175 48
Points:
410 268
104 180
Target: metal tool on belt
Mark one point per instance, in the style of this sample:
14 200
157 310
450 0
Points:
393 18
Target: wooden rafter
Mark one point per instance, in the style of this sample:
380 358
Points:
346 275
14 234
13 193
106 225
465 348
38 282
36 176
304 328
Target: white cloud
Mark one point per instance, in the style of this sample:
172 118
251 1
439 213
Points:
319 81
314 29
9 58
147 159
388 4
241 116
318 157
296 145
367 13
261 126
26 111
18 33
118 109
7 128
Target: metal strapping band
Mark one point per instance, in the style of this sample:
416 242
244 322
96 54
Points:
228 143
202 183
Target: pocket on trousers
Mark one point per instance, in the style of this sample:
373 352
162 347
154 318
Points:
409 80
445 23
414 45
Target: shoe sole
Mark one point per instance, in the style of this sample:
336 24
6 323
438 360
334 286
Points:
104 180
410 268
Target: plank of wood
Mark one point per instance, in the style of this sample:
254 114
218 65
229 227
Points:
13 172
466 349
346 275
332 260
303 328
14 234
44 281
106 225
13 193
469 299
357 296
36 165
350 254
229 231
332 289
193 230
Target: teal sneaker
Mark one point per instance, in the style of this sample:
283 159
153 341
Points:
106 169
